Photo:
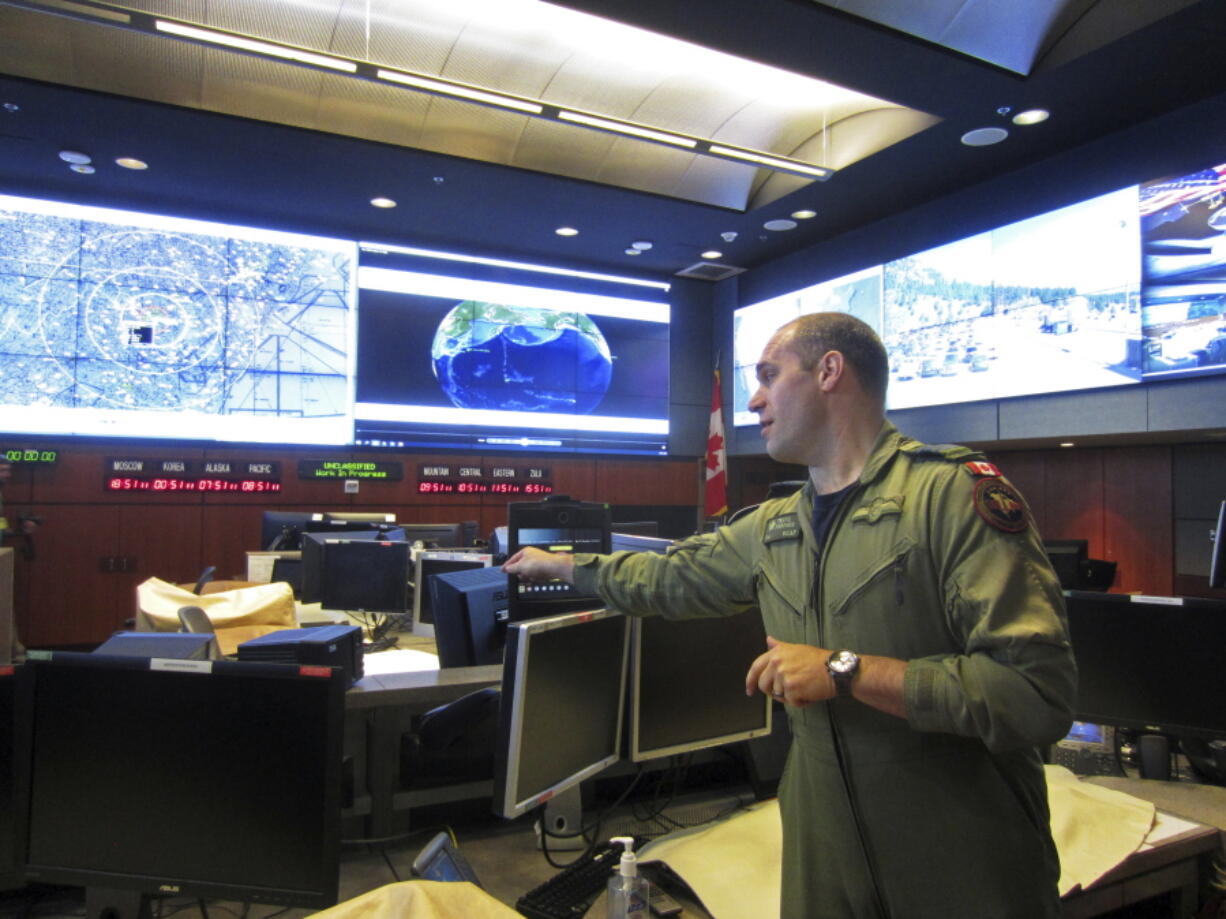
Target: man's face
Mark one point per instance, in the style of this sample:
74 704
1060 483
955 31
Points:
788 402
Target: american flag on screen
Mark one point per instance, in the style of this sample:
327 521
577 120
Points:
1185 190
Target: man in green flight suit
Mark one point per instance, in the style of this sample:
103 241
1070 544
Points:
916 633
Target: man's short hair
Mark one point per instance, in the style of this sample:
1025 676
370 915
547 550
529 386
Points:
812 335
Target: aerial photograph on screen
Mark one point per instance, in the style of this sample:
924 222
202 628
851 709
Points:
1047 304
128 324
1183 232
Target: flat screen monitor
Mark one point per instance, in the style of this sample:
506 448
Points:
344 521
1068 557
436 535
1217 564
1149 663
470 616
687 684
207 779
365 575
313 551
476 363
430 562
629 542
8 798
282 530
562 688
289 570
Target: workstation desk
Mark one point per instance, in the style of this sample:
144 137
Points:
379 710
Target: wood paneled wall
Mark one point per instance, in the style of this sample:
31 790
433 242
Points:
69 594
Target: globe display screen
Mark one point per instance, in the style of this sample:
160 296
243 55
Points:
471 363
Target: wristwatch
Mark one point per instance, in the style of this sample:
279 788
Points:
843 666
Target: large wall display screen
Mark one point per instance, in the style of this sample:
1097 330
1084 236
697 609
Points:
116 323
1183 227
1048 304
466 363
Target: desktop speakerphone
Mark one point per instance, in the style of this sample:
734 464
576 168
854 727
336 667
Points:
556 524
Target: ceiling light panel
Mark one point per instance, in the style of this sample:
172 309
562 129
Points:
517 48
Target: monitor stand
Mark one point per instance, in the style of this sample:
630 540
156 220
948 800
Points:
108 903
563 818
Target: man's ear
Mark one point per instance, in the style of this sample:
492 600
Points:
830 370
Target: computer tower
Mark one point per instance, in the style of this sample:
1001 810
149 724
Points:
321 646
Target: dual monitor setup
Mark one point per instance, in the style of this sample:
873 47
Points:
1144 673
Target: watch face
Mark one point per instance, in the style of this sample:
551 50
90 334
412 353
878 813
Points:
843 662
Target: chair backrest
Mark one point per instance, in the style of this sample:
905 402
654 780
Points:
194 619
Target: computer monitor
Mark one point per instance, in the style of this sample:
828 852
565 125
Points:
289 570
365 575
687 684
1149 663
9 876
637 527
630 542
1217 563
207 779
470 616
436 535
562 688
313 545
1068 557
283 529
341 522
430 562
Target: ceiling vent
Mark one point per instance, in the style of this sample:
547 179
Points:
709 271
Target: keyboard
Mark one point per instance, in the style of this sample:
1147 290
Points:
570 892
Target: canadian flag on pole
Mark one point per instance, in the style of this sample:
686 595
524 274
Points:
717 458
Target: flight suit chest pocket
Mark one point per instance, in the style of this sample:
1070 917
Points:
782 604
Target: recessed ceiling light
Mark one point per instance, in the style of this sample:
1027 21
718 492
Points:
75 156
779 225
633 251
83 168
1031 116
12 107
712 254
566 231
1068 443
382 202
131 162
984 137
642 244
804 215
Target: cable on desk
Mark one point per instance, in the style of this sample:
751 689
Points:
590 833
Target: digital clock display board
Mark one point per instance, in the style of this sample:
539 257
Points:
29 455
476 478
183 475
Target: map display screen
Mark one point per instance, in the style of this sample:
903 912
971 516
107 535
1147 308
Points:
124 324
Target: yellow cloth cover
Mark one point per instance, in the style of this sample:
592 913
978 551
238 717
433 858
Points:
1095 828
422 900
158 604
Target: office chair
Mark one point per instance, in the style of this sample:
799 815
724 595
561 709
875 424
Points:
194 619
205 576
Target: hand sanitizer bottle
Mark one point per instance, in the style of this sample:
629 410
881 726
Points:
627 891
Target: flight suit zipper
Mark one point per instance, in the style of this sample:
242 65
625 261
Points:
840 750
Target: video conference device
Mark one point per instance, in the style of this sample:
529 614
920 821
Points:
556 524
321 646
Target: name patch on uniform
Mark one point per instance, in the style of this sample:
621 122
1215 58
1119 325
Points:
785 526
1000 506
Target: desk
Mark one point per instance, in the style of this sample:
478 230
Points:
379 709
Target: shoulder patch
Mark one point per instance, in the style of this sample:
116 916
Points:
783 527
1000 505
